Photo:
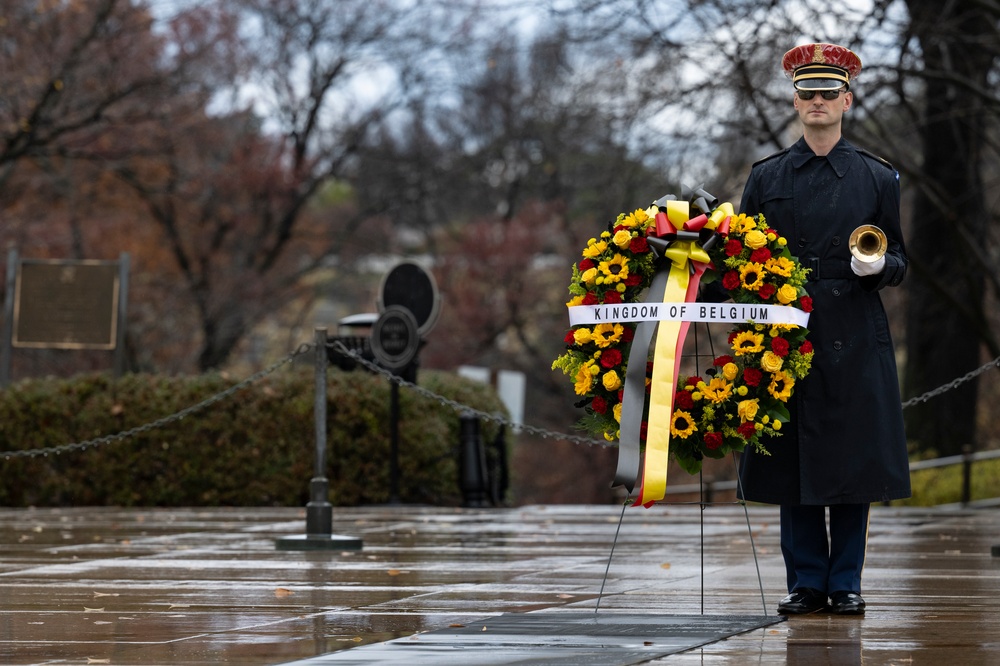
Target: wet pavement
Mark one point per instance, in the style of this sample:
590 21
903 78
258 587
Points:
193 586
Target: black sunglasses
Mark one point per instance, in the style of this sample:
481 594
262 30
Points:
827 94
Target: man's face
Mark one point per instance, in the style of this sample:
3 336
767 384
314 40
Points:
818 112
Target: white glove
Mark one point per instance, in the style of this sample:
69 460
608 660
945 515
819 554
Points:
862 268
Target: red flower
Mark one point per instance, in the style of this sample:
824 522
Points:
713 440
806 347
642 430
760 255
692 381
731 280
599 404
627 334
752 376
590 299
746 430
585 265
722 360
766 291
779 346
612 297
633 280
610 358
569 339
638 245
733 247
807 303
683 400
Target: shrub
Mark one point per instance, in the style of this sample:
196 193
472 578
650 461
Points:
253 448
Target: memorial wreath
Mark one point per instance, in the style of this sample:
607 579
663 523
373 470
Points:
742 398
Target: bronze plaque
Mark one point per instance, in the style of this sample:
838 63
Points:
66 304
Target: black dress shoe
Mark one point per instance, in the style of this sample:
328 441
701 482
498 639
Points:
847 603
802 601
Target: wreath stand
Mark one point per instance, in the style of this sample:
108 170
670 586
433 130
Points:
701 514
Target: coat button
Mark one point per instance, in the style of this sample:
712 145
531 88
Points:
836 292
836 240
802 242
838 345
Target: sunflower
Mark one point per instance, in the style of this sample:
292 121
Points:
751 276
717 390
781 386
615 268
682 424
745 342
605 335
584 380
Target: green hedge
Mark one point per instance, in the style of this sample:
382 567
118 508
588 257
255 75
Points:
254 448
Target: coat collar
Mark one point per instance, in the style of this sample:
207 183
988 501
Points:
839 157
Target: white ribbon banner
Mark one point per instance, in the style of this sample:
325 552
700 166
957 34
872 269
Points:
706 312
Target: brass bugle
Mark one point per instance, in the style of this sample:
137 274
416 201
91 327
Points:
868 243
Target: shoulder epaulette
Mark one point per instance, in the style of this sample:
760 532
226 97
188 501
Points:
770 157
882 161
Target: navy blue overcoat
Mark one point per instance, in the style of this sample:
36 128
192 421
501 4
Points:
846 442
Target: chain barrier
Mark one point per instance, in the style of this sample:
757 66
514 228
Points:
459 407
159 423
427 393
952 384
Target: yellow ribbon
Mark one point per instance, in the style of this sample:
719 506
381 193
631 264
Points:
669 342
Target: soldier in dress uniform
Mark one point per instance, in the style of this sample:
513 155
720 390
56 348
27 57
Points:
845 446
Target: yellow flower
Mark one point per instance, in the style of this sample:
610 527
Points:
742 224
747 410
589 275
782 266
776 425
615 268
576 300
634 219
787 294
747 342
605 335
730 370
582 336
584 380
742 390
752 275
770 362
718 390
755 239
594 248
622 238
781 388
778 329
617 412
682 425
611 380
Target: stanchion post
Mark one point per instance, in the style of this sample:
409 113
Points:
472 478
966 475
319 512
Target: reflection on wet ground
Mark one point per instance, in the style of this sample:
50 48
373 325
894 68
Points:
186 587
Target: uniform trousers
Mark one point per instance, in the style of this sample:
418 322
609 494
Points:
828 563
